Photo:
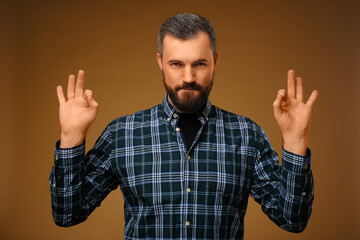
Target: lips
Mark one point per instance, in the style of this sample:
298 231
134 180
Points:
189 89
189 86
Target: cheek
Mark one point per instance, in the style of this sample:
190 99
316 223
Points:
172 76
205 76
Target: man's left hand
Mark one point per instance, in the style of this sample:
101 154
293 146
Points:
293 115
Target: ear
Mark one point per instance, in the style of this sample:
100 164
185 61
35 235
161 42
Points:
159 60
216 60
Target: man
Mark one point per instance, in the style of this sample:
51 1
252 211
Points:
185 167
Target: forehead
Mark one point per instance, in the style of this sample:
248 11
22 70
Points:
197 47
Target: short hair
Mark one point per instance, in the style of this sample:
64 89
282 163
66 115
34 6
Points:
186 26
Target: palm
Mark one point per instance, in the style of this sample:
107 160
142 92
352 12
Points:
295 116
76 114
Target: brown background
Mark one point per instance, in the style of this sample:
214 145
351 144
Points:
115 42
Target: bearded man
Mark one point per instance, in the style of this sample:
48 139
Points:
186 168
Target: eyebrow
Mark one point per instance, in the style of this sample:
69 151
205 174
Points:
197 61
201 60
173 60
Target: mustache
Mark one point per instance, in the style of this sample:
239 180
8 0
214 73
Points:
189 86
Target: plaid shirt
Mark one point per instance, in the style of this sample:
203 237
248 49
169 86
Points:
174 193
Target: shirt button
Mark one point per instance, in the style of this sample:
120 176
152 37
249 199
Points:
187 223
177 129
54 185
304 193
207 119
168 119
56 157
188 190
175 115
306 166
188 157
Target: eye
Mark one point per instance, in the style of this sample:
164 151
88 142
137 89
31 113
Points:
175 64
200 64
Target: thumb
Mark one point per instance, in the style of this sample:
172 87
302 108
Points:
277 103
89 98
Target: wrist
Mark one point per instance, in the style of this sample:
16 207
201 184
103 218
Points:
295 144
71 140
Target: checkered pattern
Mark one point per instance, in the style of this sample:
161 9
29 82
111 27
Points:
172 193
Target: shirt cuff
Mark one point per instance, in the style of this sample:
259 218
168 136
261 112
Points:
296 163
68 157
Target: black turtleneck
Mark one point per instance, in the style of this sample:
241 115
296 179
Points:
189 125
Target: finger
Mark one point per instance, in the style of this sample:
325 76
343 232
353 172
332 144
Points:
299 89
291 84
277 105
312 99
88 95
71 87
60 94
79 90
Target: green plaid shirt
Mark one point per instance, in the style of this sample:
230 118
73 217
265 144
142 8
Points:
174 193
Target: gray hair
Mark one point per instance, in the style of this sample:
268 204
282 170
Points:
186 26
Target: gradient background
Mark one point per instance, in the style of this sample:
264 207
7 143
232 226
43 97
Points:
42 42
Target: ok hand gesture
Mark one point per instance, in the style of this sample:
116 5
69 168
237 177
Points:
293 115
77 112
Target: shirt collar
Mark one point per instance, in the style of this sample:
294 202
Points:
171 112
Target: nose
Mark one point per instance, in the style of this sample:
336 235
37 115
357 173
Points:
189 75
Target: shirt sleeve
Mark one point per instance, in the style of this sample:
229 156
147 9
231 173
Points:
285 192
79 183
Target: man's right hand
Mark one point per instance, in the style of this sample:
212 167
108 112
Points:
76 113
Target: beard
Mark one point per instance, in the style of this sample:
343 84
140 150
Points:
187 103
